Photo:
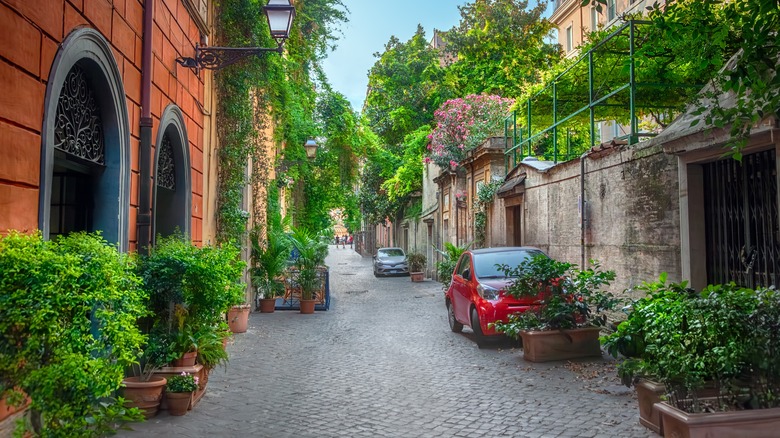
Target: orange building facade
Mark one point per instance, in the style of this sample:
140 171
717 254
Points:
100 128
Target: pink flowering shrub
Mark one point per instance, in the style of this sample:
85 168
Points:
463 124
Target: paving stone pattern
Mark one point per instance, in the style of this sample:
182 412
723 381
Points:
382 362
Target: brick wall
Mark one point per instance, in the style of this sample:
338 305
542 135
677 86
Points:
32 31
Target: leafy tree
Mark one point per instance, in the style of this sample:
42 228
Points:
380 165
409 175
500 47
405 85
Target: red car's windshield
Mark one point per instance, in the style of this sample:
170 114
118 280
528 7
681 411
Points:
486 265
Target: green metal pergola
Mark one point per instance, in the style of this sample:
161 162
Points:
569 100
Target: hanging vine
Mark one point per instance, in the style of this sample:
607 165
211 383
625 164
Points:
266 91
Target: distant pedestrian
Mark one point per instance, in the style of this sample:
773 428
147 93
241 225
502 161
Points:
336 240
344 241
349 240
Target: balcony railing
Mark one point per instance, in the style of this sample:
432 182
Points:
559 122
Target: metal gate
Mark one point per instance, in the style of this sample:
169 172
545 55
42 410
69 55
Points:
742 231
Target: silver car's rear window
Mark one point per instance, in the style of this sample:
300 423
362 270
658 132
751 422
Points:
393 252
486 265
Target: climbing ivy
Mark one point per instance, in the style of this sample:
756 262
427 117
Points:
485 195
270 90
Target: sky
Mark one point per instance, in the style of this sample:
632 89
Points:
371 23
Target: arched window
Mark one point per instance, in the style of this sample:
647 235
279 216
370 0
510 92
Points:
172 198
85 154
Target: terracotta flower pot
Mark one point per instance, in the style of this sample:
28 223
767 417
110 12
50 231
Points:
417 276
238 318
178 402
186 359
307 306
267 305
145 396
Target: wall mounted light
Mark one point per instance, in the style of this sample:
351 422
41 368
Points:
280 14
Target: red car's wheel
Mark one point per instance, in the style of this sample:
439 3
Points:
455 326
477 329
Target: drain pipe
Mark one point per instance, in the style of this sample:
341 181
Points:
144 221
583 210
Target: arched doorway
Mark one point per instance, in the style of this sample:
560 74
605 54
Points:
85 154
172 195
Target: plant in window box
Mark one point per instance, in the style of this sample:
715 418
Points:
571 308
416 262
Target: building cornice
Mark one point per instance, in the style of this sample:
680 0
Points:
564 10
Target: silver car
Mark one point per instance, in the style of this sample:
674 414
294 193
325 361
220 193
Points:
390 261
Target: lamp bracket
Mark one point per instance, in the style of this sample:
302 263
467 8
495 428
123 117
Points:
216 58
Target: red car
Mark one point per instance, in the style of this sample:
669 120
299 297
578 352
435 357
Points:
476 294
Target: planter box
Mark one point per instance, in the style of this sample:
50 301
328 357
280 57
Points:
417 276
648 393
756 423
553 345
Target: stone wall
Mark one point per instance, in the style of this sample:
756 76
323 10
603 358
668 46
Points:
632 213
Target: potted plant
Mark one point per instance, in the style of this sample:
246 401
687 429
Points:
725 336
311 252
269 262
211 353
565 323
179 391
190 287
628 341
416 262
144 389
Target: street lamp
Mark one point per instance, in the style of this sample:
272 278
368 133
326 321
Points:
311 148
311 152
280 14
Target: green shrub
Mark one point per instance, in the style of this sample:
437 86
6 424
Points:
567 297
446 266
68 312
416 261
190 289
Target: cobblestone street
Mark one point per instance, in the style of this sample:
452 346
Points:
382 362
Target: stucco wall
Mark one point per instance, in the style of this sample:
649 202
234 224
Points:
28 45
632 215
